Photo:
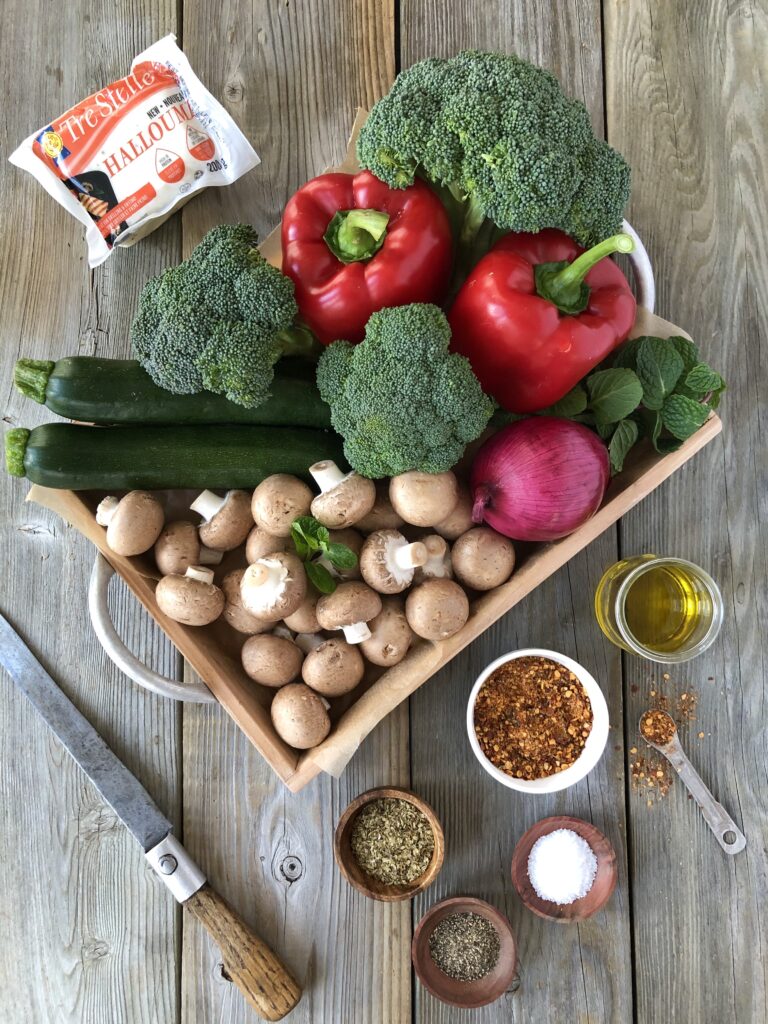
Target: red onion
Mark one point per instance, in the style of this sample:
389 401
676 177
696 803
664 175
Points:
539 478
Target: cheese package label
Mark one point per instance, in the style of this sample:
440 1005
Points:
125 158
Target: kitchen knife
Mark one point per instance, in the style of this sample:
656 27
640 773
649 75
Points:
250 963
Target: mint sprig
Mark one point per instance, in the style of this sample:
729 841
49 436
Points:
652 387
314 546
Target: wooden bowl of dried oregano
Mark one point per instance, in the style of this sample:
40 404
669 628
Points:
389 844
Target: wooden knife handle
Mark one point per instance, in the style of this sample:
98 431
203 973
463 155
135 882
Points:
253 967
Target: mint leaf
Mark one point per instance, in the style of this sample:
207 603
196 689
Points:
613 394
313 533
683 416
687 351
605 429
701 379
302 548
624 437
320 578
650 425
570 405
626 357
341 556
659 366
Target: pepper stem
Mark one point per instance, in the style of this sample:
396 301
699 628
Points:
563 283
31 377
356 235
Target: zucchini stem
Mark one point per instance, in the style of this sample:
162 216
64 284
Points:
31 377
15 450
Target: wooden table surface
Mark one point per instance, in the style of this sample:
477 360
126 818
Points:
88 936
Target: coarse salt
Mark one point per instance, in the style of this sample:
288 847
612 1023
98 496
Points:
561 867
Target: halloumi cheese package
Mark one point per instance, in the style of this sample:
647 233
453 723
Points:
125 158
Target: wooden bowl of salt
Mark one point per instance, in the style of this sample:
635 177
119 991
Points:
602 885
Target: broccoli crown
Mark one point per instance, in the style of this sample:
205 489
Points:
399 399
211 323
501 133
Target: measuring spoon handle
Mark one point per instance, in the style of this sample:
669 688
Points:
715 815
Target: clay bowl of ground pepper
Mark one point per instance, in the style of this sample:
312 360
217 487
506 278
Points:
537 721
465 938
389 844
602 883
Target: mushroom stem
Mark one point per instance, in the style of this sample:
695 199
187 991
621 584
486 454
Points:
267 572
326 475
283 631
307 642
436 546
208 556
356 632
410 556
198 572
329 566
208 504
106 510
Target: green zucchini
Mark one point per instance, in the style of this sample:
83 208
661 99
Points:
120 391
80 458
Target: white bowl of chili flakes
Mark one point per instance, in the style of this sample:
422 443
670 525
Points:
537 721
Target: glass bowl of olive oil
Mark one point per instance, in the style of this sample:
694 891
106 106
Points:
664 609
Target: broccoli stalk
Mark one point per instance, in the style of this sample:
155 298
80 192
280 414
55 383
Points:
502 137
399 399
219 321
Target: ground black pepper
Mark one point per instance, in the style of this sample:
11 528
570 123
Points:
465 946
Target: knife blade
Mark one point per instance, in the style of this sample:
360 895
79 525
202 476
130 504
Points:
118 786
259 974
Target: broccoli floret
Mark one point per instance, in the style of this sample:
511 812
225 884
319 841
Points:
502 136
399 399
218 322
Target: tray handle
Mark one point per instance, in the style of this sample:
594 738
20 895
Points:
117 652
642 269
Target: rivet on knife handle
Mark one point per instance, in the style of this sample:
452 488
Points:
253 967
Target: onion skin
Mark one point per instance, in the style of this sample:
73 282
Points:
539 479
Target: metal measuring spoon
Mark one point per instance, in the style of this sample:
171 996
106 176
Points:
727 833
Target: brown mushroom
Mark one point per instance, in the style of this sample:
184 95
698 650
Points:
260 543
178 547
391 636
274 586
344 497
304 619
192 599
423 499
300 716
133 522
354 541
459 520
482 558
234 612
438 563
436 609
271 660
278 500
382 516
227 520
387 561
333 668
349 608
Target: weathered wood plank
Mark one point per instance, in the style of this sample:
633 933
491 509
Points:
88 936
687 98
292 76
584 972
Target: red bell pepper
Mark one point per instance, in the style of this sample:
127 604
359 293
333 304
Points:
537 313
352 245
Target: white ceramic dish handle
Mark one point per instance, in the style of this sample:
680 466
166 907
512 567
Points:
98 606
641 268
198 693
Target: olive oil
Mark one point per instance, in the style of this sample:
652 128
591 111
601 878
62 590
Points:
666 609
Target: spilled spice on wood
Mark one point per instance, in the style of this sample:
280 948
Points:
465 946
392 841
532 718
